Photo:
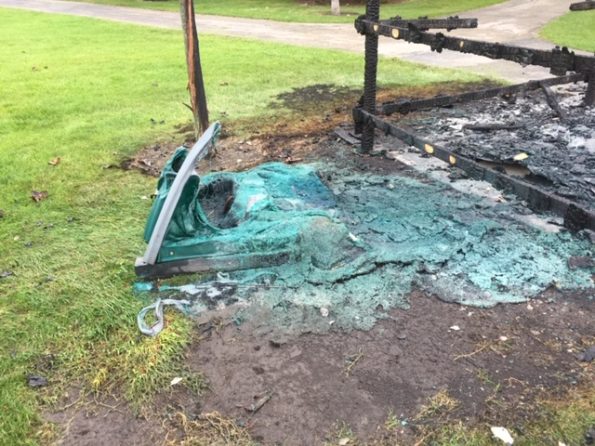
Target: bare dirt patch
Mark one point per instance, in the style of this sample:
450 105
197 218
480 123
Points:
432 364
493 366
88 422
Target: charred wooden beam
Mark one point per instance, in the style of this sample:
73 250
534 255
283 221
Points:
406 106
550 97
370 72
423 23
582 6
208 264
590 94
559 61
491 127
575 216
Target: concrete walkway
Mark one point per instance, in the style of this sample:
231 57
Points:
514 21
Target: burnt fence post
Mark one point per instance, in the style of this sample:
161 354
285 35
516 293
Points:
590 94
370 71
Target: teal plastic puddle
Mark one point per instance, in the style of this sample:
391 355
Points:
357 244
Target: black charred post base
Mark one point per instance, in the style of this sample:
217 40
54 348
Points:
590 94
582 6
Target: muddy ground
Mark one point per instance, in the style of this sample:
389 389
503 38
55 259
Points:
433 364
301 137
496 359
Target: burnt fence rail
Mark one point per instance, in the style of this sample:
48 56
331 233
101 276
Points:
558 60
423 23
406 106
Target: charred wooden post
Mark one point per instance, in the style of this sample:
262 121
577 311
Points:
370 71
590 94
550 97
196 86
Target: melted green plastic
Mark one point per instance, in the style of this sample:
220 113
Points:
361 242
273 206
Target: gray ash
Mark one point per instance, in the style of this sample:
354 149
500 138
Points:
560 153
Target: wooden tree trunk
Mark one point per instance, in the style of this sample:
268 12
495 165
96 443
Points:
335 7
196 85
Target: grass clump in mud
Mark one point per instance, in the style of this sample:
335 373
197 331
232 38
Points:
567 419
441 404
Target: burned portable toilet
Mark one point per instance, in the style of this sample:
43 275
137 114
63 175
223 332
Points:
234 221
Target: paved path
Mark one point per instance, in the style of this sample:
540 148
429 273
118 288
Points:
515 21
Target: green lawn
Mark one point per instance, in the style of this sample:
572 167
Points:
575 29
301 11
91 92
